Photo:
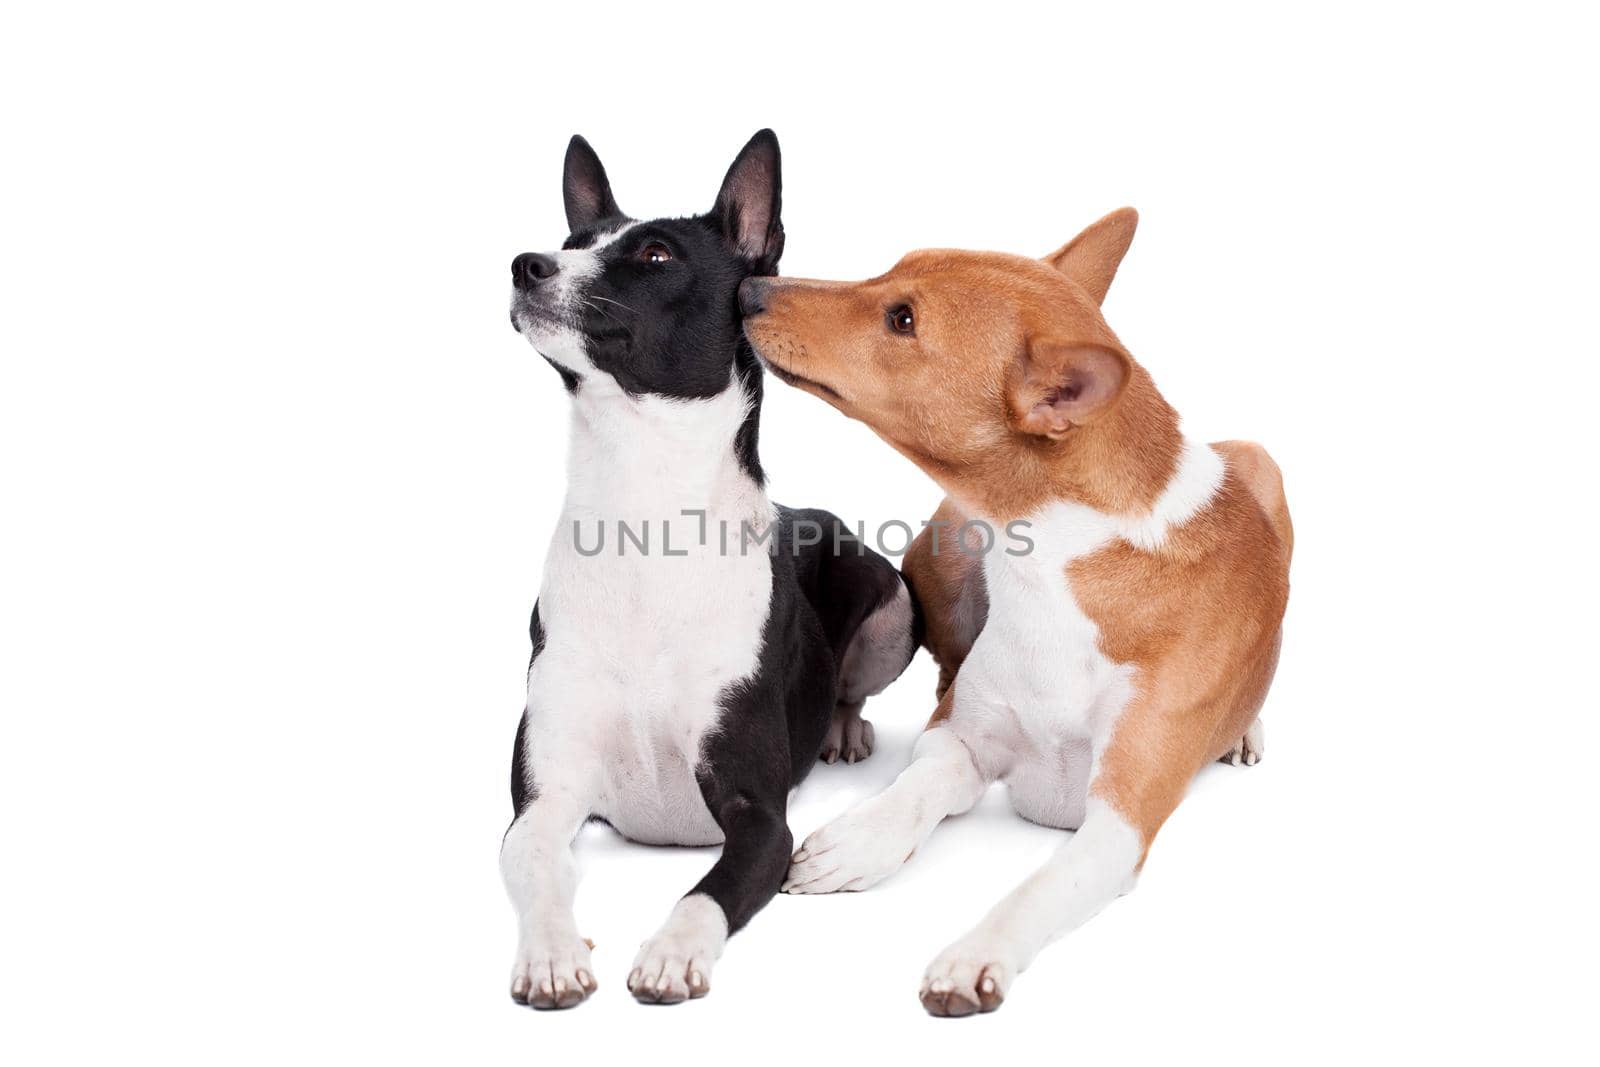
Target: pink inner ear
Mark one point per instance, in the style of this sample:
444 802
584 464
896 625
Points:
1067 384
752 222
746 201
1065 393
1047 417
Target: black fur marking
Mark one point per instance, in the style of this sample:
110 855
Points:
919 621
569 377
535 634
767 740
524 790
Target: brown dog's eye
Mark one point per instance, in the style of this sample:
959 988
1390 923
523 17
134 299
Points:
655 252
900 319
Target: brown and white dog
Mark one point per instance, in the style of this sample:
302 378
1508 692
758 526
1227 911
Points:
1096 674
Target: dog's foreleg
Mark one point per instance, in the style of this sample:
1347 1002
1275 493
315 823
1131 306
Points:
1085 874
552 968
1154 751
676 963
869 842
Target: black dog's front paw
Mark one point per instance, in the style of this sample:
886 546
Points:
546 978
675 965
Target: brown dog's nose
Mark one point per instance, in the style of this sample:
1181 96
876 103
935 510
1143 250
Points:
531 268
753 295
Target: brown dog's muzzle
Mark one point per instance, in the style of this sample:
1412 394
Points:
780 349
753 295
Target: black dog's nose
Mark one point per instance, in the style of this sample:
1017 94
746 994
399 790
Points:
531 268
753 295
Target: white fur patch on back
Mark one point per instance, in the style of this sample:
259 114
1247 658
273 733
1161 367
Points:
1194 483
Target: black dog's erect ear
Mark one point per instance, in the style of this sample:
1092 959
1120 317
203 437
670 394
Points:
584 188
748 207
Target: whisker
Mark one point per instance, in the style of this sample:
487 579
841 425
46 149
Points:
608 300
600 310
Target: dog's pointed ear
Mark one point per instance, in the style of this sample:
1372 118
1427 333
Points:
1091 258
584 188
1065 384
749 206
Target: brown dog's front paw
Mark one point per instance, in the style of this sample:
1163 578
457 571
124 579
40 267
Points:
964 980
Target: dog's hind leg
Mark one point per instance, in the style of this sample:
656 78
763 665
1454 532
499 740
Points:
1251 747
944 568
849 736
876 655
868 614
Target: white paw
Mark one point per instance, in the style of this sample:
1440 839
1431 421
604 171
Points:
970 976
849 736
552 972
676 963
856 851
1251 747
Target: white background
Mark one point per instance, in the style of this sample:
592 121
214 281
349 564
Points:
277 477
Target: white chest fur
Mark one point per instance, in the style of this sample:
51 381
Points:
1037 698
641 644
1037 662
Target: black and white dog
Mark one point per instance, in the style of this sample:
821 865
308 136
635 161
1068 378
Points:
678 690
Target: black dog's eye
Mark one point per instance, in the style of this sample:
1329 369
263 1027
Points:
900 320
655 252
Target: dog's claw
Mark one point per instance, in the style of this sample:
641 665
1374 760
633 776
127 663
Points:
849 737
1249 750
962 982
675 965
546 978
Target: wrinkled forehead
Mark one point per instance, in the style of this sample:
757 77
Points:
959 269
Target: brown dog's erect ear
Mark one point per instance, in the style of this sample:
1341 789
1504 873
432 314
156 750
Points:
750 203
584 188
1091 258
1062 385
